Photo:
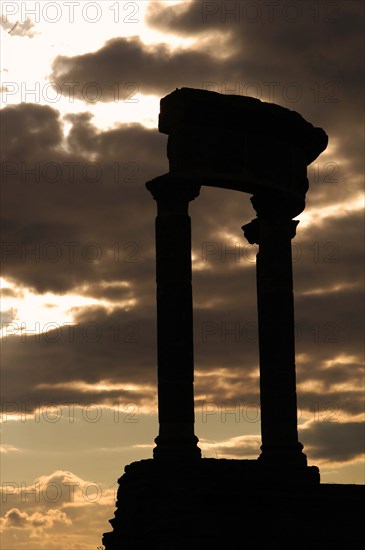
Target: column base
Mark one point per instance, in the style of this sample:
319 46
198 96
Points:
180 449
283 456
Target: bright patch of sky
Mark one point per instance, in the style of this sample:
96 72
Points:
70 29
30 313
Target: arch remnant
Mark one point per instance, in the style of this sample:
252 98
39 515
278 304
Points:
239 143
244 144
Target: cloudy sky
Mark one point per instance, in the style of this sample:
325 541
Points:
81 84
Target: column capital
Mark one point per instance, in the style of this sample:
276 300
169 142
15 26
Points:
253 231
173 187
276 204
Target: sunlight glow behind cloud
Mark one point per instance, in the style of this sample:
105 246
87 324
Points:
39 313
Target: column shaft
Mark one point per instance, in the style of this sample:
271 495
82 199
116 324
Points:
176 437
276 341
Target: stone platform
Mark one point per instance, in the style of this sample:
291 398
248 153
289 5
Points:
219 503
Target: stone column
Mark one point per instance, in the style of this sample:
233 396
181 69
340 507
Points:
273 231
176 439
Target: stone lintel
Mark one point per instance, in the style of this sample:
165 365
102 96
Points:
190 107
240 143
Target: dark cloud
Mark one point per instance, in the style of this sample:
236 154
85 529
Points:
29 129
334 441
119 349
125 66
81 207
325 441
299 32
114 348
185 19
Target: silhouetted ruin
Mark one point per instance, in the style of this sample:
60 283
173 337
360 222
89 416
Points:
179 499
